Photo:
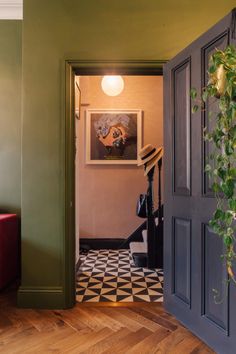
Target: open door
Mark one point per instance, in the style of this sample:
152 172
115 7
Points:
192 265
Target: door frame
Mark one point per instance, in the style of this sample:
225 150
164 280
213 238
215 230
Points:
89 67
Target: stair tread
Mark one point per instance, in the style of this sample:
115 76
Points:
144 235
138 247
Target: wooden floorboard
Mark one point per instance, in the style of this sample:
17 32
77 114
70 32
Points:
132 328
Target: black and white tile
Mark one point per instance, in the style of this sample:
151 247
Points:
111 276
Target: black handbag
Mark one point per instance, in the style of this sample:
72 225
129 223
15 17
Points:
141 209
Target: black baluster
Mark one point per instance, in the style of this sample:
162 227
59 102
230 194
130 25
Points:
151 239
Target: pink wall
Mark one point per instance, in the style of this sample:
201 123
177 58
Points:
107 194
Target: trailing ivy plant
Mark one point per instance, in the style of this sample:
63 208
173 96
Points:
221 89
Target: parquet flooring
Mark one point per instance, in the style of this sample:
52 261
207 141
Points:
138 328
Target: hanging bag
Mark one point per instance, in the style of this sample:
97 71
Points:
141 209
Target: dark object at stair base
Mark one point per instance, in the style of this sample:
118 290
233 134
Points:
140 260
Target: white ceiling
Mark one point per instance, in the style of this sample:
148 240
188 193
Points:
11 9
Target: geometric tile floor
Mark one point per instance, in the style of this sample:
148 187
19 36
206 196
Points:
111 276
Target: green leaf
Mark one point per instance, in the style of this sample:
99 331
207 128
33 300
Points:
228 217
193 93
232 205
195 108
218 214
207 168
212 69
223 104
211 90
228 188
232 172
228 240
216 187
222 173
232 131
205 95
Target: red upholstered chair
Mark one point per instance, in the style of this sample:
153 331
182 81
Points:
9 249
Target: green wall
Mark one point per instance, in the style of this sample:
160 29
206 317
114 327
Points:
56 30
10 116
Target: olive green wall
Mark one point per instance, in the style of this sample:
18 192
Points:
56 30
10 116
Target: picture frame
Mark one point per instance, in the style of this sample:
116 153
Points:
77 100
113 136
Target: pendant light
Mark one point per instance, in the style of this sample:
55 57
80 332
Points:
112 85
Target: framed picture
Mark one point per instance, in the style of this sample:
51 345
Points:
113 136
77 100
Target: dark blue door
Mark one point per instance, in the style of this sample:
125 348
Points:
192 265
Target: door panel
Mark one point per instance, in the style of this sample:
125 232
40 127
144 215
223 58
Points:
192 264
215 310
182 259
181 82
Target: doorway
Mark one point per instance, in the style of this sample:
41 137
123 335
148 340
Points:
110 131
95 68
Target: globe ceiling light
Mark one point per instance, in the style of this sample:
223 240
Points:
112 85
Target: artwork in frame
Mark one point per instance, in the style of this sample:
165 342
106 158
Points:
77 100
113 136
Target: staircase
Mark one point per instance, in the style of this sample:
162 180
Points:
139 250
148 253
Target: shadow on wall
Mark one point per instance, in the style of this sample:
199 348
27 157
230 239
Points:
9 209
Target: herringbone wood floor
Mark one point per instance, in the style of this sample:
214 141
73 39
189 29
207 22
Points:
89 328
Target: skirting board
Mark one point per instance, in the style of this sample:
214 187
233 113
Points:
101 243
42 298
